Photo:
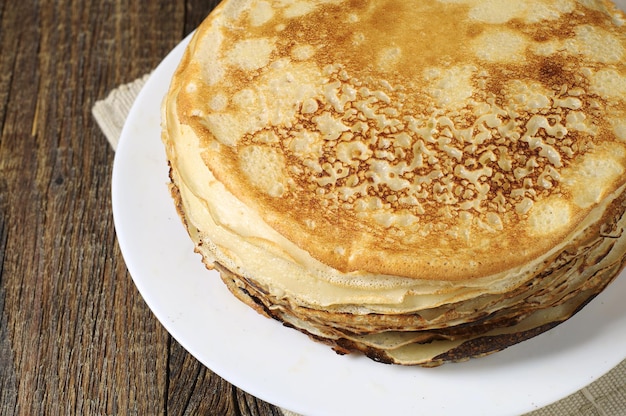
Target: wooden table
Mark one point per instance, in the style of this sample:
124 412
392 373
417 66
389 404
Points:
75 335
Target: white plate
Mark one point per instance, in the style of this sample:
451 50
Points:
284 367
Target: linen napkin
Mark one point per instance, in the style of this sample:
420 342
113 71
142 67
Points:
604 397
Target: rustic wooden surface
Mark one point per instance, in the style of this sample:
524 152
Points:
75 335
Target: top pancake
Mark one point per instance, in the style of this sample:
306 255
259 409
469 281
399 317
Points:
439 140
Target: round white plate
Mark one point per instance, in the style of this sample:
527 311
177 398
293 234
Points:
284 367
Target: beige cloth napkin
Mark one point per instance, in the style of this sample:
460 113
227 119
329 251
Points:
604 397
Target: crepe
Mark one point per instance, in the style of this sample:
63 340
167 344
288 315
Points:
418 181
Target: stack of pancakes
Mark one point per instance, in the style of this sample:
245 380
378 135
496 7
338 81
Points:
420 181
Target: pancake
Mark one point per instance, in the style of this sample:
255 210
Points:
421 182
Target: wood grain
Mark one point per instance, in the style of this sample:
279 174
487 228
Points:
75 335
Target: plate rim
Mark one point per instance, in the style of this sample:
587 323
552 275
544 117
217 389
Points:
179 329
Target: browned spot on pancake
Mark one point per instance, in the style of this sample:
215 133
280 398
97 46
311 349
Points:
551 72
474 30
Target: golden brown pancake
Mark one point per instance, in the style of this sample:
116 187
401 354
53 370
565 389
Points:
419 181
